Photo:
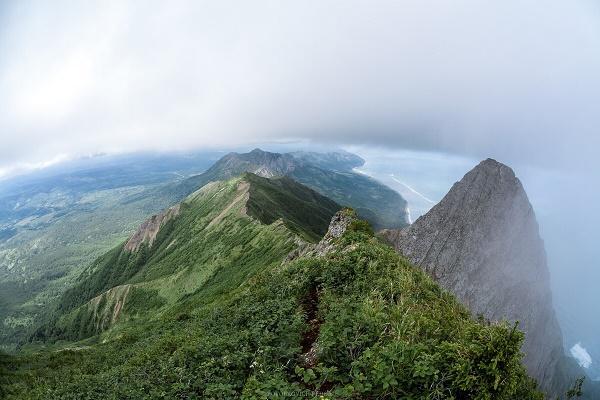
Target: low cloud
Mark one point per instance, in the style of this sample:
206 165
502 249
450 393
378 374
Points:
511 79
581 355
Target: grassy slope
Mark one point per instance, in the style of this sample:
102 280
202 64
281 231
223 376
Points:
383 329
47 258
210 234
380 205
309 212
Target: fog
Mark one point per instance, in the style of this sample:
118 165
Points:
511 78
461 80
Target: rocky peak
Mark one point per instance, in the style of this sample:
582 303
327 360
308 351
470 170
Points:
482 243
337 227
339 224
259 162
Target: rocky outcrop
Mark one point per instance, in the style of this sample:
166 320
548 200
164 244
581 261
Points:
482 243
147 232
107 307
337 227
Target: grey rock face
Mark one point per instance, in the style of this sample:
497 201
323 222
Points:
482 243
259 162
337 227
147 232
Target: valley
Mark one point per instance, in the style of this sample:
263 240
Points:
61 219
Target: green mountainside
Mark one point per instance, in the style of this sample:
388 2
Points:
244 223
303 211
220 297
329 174
56 221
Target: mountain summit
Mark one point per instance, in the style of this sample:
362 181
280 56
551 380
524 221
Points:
482 243
259 162
330 174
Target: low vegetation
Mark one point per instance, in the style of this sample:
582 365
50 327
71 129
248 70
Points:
360 322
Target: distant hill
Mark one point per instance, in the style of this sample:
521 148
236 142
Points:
328 173
335 161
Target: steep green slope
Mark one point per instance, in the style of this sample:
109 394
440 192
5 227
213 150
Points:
358 322
329 174
241 224
303 210
373 201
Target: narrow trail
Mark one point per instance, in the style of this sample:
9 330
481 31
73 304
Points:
309 338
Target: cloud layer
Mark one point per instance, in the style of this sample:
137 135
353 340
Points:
511 79
581 355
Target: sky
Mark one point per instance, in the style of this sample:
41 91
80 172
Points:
514 80
508 78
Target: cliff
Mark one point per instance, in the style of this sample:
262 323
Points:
482 243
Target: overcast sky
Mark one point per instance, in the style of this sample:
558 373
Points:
517 80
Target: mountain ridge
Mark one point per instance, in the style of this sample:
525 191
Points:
56 222
330 174
353 321
167 246
257 285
